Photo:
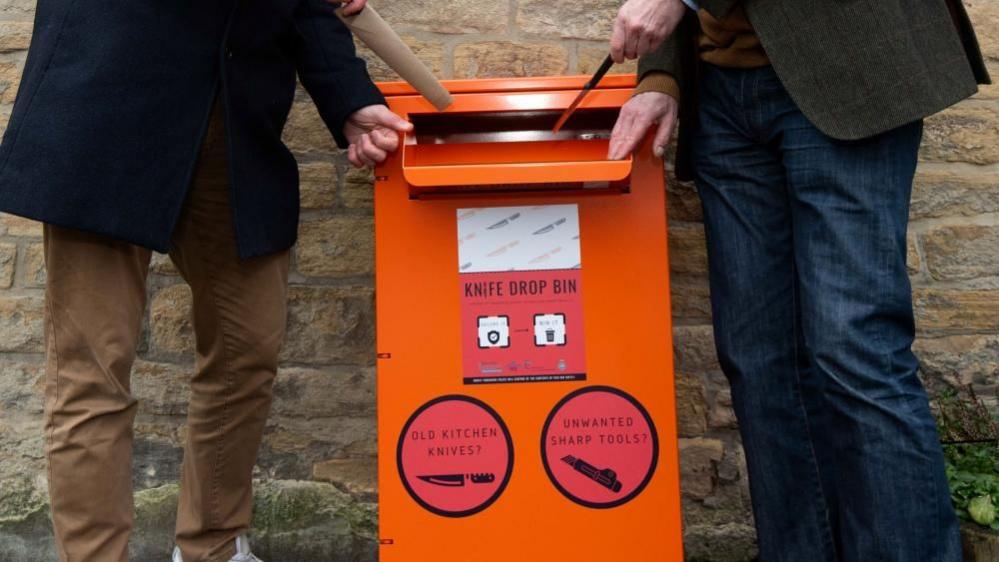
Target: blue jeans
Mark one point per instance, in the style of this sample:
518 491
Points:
814 326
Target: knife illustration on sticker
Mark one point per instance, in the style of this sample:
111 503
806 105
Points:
550 227
504 222
502 249
606 477
458 480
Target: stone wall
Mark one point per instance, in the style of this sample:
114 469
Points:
318 458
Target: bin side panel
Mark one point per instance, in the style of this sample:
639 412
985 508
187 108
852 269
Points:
625 290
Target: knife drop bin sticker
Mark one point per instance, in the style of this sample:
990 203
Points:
455 456
599 447
520 271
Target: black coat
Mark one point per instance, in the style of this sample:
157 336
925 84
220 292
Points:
116 96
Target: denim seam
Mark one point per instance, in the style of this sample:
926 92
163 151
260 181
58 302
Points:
759 110
815 472
885 297
746 122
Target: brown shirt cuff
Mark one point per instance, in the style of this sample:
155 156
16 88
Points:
659 82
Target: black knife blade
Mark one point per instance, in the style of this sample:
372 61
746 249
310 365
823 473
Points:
597 77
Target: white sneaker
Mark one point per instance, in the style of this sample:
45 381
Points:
243 553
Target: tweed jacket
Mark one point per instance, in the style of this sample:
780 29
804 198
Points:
855 69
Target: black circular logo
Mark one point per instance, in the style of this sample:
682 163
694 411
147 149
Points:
599 447
455 456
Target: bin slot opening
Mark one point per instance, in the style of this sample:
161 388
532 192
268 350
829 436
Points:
509 138
511 126
502 150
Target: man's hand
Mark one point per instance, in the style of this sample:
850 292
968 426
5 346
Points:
642 25
637 115
373 132
350 7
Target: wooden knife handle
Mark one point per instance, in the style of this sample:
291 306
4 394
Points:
371 29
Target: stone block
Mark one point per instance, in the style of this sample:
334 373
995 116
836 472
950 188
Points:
430 53
330 325
698 458
170 327
8 260
691 406
496 59
569 19
33 265
968 132
694 349
446 16
359 189
688 251
10 79
317 182
962 252
22 324
956 310
960 360
13 225
14 35
336 247
359 476
941 193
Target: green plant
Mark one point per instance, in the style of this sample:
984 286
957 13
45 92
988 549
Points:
973 472
982 510
970 436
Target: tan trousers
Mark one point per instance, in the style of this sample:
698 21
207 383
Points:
96 296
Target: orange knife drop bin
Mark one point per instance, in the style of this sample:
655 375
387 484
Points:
525 365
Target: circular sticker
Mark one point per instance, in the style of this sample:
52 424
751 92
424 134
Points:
455 456
599 447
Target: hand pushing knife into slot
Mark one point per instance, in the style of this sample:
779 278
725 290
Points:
597 77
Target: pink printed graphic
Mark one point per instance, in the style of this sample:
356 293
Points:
455 456
522 326
600 447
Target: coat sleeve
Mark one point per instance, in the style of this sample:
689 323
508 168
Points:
673 56
664 59
329 67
